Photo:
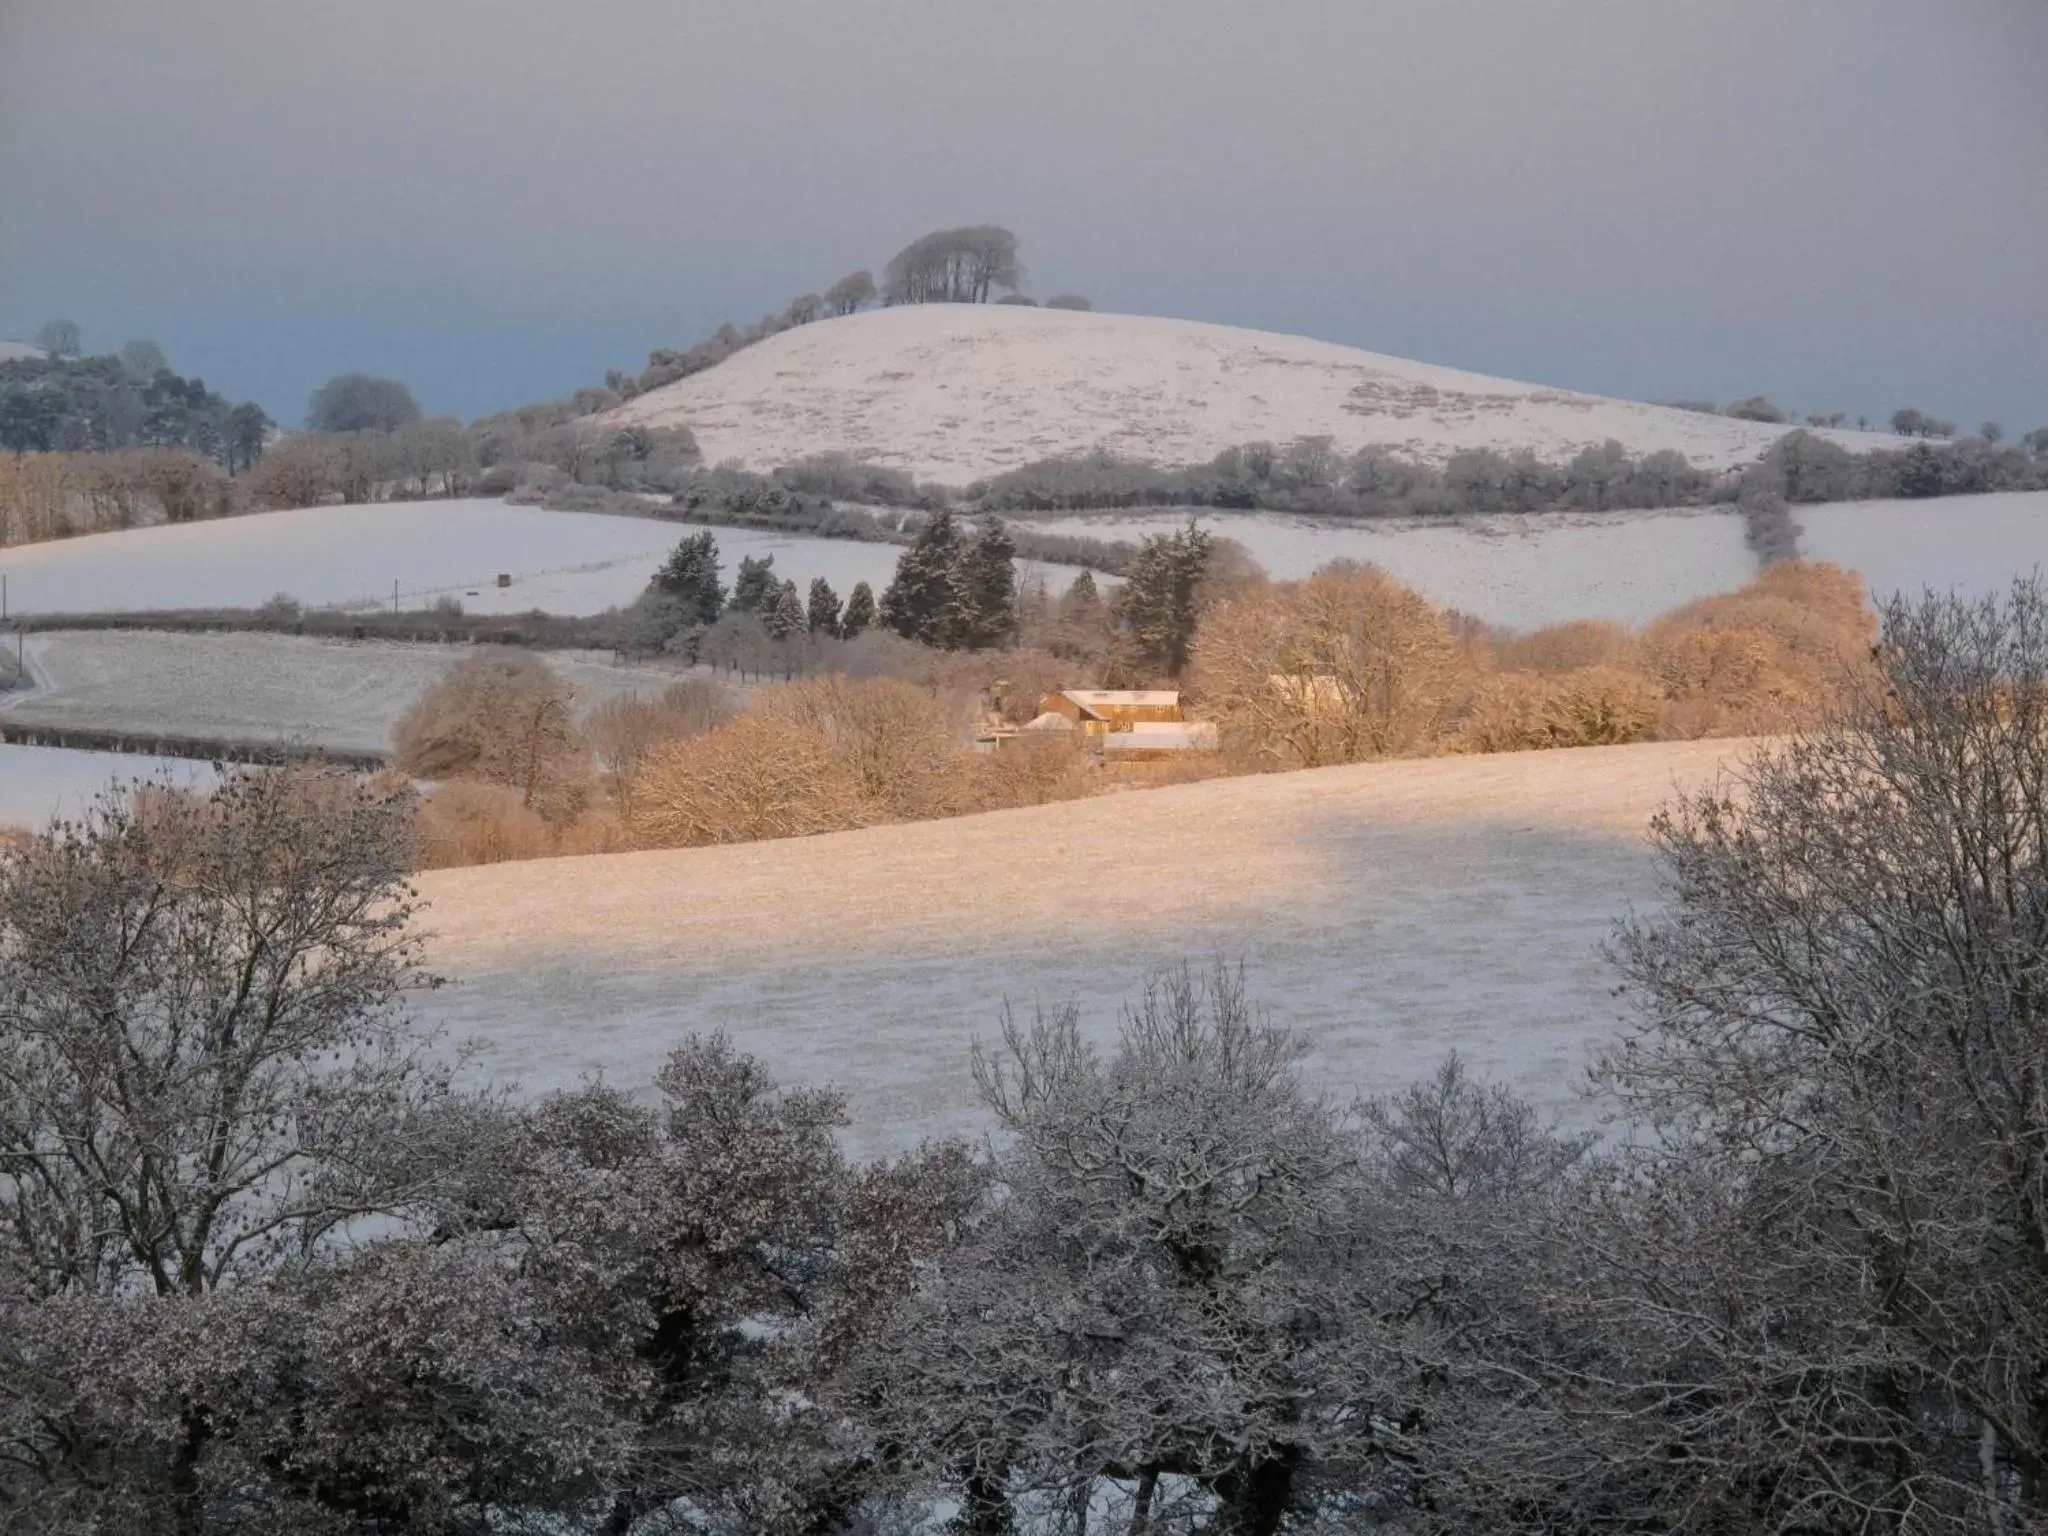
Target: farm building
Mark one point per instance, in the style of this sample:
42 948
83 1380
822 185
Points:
1100 710
1150 741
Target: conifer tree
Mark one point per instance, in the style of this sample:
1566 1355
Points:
985 589
860 611
691 578
785 617
1081 603
919 604
823 610
1159 607
754 589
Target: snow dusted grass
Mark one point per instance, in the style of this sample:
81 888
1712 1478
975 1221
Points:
1520 570
1969 544
348 557
38 783
261 687
954 392
1389 911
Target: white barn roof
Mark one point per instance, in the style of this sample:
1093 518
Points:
1125 698
1177 736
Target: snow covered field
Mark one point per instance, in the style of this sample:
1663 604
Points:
19 351
1389 911
37 783
1542 568
1519 570
562 562
953 392
1970 544
337 694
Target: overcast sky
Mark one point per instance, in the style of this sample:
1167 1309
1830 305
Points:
1841 203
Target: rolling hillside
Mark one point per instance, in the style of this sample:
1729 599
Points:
953 392
1389 911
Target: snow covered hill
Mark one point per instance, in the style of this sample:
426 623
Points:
952 392
17 351
1390 912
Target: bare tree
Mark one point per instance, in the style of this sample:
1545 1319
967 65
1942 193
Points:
431 456
206 1081
505 719
144 360
623 731
1347 665
357 402
851 292
61 338
954 266
1170 1297
1843 1025
176 974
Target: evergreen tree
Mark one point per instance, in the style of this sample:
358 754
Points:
1160 604
1081 603
753 590
919 604
985 589
691 578
823 612
785 618
860 611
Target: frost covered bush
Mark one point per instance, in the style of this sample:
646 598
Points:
464 822
818 756
1770 656
1564 647
623 731
1350 665
1580 707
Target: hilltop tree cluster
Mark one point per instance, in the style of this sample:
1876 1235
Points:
954 266
971 265
265 1264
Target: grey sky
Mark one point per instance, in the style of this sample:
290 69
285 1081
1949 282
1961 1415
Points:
1842 203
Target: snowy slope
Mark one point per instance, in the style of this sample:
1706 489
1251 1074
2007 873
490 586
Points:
257 688
17 351
1525 570
1974 545
952 392
1518 570
562 562
1389 911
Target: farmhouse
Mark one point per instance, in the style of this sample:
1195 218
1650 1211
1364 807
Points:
1100 710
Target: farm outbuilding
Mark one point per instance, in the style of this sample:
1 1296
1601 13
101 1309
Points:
1151 741
1100 710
